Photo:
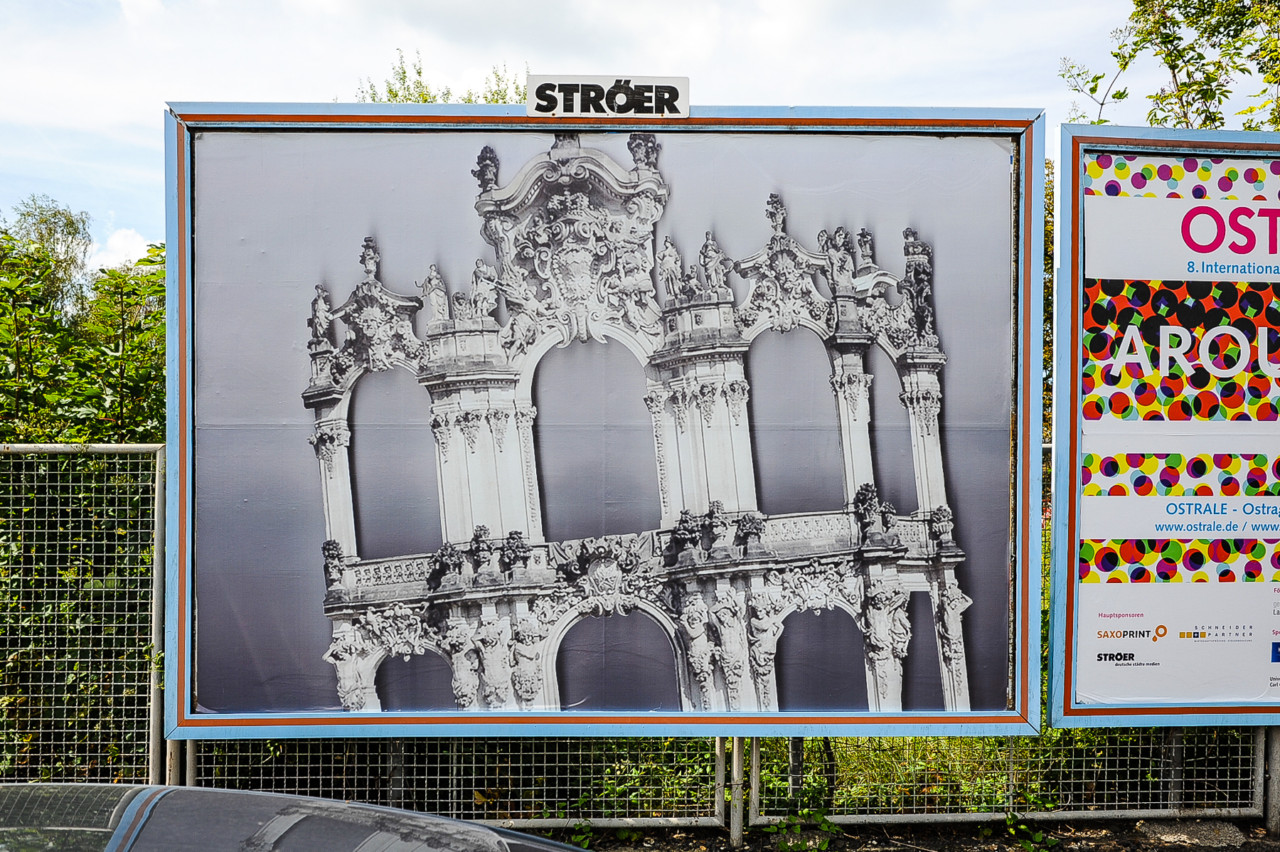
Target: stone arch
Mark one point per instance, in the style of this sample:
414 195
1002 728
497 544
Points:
395 492
646 667
891 437
638 345
423 682
597 467
795 432
820 662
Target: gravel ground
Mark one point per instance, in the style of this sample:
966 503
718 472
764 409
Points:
1115 836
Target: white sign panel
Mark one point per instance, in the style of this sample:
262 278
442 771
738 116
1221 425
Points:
608 97
1167 648
1181 239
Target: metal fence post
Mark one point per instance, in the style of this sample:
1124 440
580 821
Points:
735 797
1273 780
719 793
155 734
173 762
753 812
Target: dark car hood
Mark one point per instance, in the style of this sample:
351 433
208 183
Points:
119 818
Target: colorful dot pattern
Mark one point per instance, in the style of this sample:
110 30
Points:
1111 306
1182 177
1177 475
1166 560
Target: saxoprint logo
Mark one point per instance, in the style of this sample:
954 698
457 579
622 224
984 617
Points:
608 97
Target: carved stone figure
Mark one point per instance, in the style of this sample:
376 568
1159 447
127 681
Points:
493 643
729 613
866 252
670 267
433 290
942 525
686 537
716 265
356 665
750 528
886 630
644 148
717 527
767 613
321 322
458 642
515 551
484 289
840 263
702 653
526 676
951 603
446 567
369 259
332 553
486 170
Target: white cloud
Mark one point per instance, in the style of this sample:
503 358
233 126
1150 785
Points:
124 245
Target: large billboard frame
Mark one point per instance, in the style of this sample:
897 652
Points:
1132 639
1020 131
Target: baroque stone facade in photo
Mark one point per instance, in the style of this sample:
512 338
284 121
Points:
575 239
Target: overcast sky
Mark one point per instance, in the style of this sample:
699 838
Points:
81 112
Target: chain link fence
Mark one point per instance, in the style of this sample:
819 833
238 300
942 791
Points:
77 540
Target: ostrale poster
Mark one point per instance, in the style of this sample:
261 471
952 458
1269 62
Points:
1172 585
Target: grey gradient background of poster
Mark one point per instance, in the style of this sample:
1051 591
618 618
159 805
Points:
278 213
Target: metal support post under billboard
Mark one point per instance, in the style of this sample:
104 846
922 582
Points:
719 791
753 807
735 795
1273 780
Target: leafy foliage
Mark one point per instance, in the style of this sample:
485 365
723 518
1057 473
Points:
1085 82
93 376
408 85
1207 48
64 237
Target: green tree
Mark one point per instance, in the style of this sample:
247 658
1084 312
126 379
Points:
120 393
1209 49
97 376
64 237
34 338
408 85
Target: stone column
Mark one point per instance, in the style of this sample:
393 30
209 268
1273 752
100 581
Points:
356 662
705 443
767 612
948 605
493 646
700 650
922 396
332 442
886 634
852 387
529 653
664 442
729 617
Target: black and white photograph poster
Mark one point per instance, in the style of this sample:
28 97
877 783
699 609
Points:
488 423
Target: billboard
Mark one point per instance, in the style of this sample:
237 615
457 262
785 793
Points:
1167 572
549 425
